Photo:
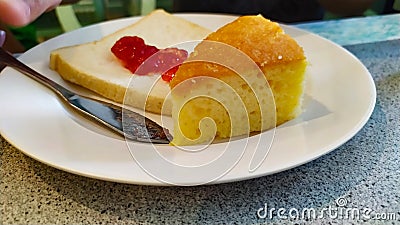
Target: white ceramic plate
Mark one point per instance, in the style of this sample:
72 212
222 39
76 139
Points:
340 97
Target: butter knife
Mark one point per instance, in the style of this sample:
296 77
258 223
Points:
132 125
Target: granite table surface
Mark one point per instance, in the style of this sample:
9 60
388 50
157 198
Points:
362 174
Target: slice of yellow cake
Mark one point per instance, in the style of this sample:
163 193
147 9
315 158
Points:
247 76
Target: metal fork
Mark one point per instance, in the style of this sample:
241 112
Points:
132 125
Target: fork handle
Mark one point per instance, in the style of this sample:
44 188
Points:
9 60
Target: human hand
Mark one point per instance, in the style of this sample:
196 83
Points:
21 12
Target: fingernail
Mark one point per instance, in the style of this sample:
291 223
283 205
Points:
2 37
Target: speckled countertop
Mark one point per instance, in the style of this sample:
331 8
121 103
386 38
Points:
362 174
357 30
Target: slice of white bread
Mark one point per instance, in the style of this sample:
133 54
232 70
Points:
93 65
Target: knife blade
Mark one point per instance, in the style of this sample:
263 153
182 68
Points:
131 125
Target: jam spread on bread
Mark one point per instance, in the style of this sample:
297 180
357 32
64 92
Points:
143 59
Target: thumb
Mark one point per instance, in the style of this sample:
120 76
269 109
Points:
21 12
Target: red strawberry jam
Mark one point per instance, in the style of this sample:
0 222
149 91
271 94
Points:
142 59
